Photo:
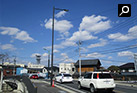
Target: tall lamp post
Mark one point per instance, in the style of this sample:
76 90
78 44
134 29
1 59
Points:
48 60
53 40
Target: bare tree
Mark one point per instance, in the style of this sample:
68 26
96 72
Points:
4 56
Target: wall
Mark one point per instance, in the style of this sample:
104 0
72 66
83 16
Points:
10 72
66 68
86 69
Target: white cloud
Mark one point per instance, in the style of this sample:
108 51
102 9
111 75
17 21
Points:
66 58
17 34
34 55
110 57
24 36
79 35
126 53
82 36
56 51
7 47
60 14
132 34
62 26
84 49
45 54
101 43
95 24
105 61
95 55
9 30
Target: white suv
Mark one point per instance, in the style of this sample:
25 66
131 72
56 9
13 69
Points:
64 78
97 80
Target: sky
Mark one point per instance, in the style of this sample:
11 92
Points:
26 28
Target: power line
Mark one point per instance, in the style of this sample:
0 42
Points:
116 49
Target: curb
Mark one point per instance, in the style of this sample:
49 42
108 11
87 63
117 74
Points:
131 85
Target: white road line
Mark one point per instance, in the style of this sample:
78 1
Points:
73 89
119 91
67 90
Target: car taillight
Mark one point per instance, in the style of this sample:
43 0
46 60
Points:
33 77
97 75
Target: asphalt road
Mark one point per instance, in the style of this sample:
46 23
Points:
118 89
73 87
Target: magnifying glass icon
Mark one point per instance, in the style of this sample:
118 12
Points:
124 11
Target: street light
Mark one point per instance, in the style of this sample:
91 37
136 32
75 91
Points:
53 40
48 60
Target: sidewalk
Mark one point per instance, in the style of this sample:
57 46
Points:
127 83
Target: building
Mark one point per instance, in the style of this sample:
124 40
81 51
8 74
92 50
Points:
10 69
55 70
35 68
12 64
67 68
127 69
88 65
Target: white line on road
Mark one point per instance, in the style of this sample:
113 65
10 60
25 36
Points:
73 89
65 89
119 91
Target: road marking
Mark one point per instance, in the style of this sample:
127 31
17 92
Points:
67 90
117 91
73 89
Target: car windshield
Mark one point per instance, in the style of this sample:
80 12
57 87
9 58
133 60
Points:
67 75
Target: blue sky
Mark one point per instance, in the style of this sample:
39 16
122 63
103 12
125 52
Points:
25 29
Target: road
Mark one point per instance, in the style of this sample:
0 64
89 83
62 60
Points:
73 87
118 89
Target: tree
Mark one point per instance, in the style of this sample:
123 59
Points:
4 56
113 68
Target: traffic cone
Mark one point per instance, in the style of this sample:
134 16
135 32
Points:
53 84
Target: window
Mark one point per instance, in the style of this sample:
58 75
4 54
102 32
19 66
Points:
88 75
67 75
95 76
102 75
7 72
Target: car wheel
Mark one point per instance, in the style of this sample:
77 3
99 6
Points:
110 90
92 89
79 86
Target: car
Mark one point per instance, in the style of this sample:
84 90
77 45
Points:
64 78
34 77
96 81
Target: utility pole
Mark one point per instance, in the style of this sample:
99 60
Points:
48 60
135 64
1 75
52 54
79 58
14 66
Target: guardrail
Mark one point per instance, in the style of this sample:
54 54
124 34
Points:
30 86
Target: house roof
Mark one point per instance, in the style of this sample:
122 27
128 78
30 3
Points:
89 62
127 66
54 68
